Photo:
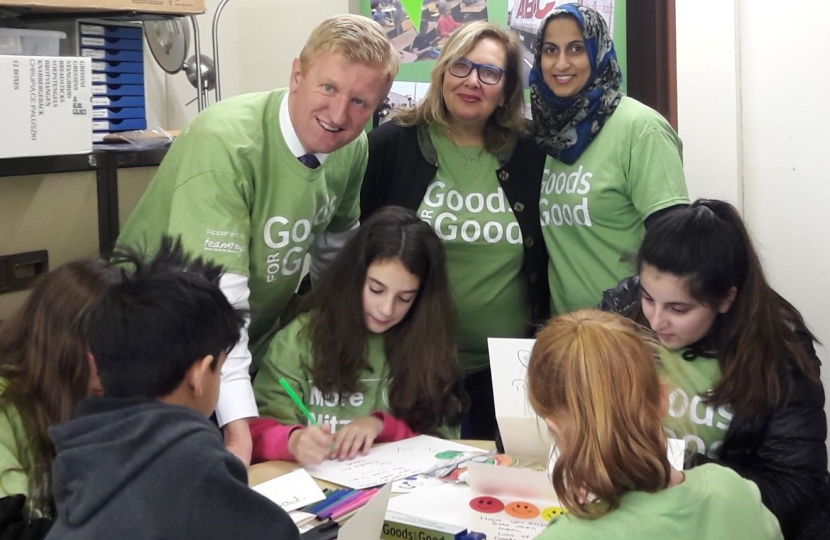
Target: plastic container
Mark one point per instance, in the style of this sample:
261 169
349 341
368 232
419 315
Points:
23 41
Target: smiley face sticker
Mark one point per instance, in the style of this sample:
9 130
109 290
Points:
521 510
448 454
486 505
551 512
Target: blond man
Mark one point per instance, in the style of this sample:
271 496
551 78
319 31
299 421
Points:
257 181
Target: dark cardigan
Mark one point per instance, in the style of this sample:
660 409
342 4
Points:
403 162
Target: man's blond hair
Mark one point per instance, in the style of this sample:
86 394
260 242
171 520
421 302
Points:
359 39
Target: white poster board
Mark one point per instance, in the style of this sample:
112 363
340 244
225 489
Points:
523 433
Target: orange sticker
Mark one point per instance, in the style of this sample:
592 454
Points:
521 510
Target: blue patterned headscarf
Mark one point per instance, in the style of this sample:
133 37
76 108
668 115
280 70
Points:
564 127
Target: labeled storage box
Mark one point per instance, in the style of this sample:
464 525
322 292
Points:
47 105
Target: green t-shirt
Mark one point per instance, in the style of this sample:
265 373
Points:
592 212
701 425
234 192
18 470
712 502
469 211
289 357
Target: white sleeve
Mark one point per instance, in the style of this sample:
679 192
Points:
236 395
325 247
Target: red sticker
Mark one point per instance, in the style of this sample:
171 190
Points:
486 505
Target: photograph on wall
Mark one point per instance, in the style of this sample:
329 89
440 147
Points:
525 16
402 94
419 49
419 29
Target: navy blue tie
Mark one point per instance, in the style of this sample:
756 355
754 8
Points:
309 160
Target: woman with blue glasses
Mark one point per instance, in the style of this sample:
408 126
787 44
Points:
612 165
462 160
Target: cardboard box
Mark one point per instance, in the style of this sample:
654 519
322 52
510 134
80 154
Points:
173 7
46 105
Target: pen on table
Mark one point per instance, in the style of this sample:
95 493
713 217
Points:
331 496
357 503
333 502
342 519
328 511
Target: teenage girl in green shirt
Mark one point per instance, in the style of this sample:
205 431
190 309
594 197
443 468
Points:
373 353
593 378
44 374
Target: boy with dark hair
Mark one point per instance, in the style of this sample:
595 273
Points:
145 461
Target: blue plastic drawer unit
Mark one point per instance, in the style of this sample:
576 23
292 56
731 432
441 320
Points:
124 124
123 44
118 99
118 89
118 67
110 31
102 77
112 55
118 113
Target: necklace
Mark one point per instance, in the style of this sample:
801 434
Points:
467 153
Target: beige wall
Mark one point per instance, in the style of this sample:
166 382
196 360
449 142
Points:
750 95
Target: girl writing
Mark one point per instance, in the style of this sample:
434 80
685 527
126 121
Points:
592 378
372 355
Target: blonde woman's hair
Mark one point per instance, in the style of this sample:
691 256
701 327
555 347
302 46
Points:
594 375
507 121
360 39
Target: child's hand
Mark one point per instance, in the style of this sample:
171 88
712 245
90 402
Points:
311 445
356 436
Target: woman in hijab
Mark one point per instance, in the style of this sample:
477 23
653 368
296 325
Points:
613 163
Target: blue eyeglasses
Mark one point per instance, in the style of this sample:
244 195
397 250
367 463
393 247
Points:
487 74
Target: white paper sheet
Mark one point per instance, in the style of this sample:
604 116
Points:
526 495
445 503
454 503
291 491
388 462
301 518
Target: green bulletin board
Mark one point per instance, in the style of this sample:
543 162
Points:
497 13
